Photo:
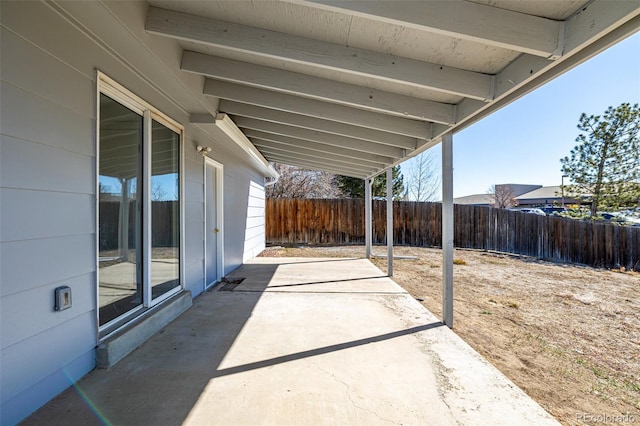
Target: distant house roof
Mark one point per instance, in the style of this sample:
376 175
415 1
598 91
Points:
547 192
475 200
517 189
536 195
488 199
547 195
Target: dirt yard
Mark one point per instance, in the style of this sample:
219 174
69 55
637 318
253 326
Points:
569 336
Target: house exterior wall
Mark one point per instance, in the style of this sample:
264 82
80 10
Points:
254 241
48 182
250 230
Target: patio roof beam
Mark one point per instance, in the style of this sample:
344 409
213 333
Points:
317 88
597 26
270 146
319 109
313 156
312 123
314 165
326 55
460 19
319 137
261 138
316 146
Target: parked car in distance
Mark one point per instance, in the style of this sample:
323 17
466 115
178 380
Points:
531 210
619 218
609 216
553 211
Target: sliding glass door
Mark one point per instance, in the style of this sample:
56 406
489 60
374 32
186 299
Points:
138 208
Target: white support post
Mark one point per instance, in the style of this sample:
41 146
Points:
123 223
447 229
390 221
367 217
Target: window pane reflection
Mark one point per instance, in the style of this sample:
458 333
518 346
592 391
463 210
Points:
119 230
165 209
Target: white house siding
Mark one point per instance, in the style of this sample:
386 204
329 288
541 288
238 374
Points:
194 220
247 203
47 182
254 240
47 224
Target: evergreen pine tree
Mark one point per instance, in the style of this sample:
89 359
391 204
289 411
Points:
605 165
354 187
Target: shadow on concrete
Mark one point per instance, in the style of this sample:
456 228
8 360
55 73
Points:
328 260
327 349
325 282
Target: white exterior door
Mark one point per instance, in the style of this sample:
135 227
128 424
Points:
213 222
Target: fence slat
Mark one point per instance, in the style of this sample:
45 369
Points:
600 244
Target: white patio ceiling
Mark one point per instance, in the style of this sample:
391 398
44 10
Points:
354 87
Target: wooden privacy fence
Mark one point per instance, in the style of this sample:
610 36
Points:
600 244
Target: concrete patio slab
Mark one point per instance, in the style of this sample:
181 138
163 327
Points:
300 342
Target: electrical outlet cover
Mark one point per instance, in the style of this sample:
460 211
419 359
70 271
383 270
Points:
62 298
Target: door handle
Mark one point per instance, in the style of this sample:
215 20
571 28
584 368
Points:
216 230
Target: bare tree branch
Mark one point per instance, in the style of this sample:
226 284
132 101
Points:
295 182
503 196
423 180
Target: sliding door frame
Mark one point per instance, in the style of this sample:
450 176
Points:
109 87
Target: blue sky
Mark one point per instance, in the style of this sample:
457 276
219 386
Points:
524 141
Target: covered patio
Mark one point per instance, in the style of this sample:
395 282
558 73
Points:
299 341
354 88
357 87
